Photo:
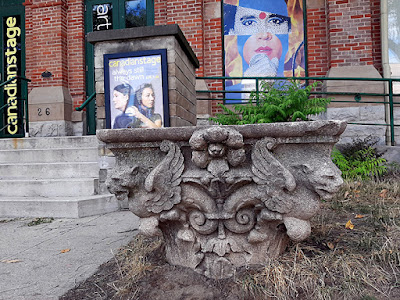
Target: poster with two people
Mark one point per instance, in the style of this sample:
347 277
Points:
136 89
262 38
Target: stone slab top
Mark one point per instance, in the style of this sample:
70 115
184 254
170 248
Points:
285 130
144 32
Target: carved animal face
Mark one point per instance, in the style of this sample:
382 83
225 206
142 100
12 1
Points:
325 178
216 150
120 181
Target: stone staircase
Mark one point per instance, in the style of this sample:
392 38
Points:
52 177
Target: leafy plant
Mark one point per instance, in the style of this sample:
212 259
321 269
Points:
360 164
38 221
282 102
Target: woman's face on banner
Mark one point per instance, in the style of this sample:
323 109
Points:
250 21
262 28
148 97
120 100
262 43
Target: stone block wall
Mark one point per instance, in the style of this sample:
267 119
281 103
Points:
181 60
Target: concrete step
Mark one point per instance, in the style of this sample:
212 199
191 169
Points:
49 187
49 155
49 170
49 142
57 207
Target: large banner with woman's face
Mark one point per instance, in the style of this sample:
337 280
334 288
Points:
262 38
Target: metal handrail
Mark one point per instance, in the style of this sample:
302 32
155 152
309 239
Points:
387 101
90 115
87 101
26 113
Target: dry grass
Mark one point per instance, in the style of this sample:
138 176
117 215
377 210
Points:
133 264
340 263
333 263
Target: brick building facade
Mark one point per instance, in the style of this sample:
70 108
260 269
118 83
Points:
343 37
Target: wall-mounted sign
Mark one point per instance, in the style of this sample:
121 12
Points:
102 17
262 38
12 67
136 89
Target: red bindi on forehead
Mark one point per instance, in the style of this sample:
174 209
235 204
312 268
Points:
262 15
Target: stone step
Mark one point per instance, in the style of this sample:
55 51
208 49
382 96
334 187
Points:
49 170
57 207
49 142
49 187
49 155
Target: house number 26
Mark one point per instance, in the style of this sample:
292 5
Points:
47 112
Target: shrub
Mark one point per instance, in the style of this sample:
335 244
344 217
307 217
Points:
283 102
359 160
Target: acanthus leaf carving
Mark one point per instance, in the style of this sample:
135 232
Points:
233 203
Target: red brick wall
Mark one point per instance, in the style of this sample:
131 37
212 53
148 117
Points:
376 35
160 12
55 43
213 64
76 51
317 42
350 32
46 42
188 15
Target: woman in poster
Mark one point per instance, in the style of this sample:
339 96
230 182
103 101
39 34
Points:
122 100
142 112
257 40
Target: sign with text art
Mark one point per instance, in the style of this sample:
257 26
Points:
136 89
12 120
262 38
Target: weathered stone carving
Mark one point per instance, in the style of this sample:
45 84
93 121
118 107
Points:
223 200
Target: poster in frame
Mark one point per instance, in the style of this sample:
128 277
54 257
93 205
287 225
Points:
136 89
262 38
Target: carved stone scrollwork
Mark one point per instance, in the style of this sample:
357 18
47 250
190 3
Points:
222 201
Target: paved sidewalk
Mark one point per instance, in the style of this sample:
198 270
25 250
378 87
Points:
33 265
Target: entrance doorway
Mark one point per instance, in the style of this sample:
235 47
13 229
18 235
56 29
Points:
112 14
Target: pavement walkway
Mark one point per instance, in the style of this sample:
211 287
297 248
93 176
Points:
46 260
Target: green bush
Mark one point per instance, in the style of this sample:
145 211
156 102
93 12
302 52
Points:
284 103
359 160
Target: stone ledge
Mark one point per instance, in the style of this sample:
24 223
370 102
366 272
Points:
286 129
143 32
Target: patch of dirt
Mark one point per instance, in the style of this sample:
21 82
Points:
335 262
162 282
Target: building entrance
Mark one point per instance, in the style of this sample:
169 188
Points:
112 14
